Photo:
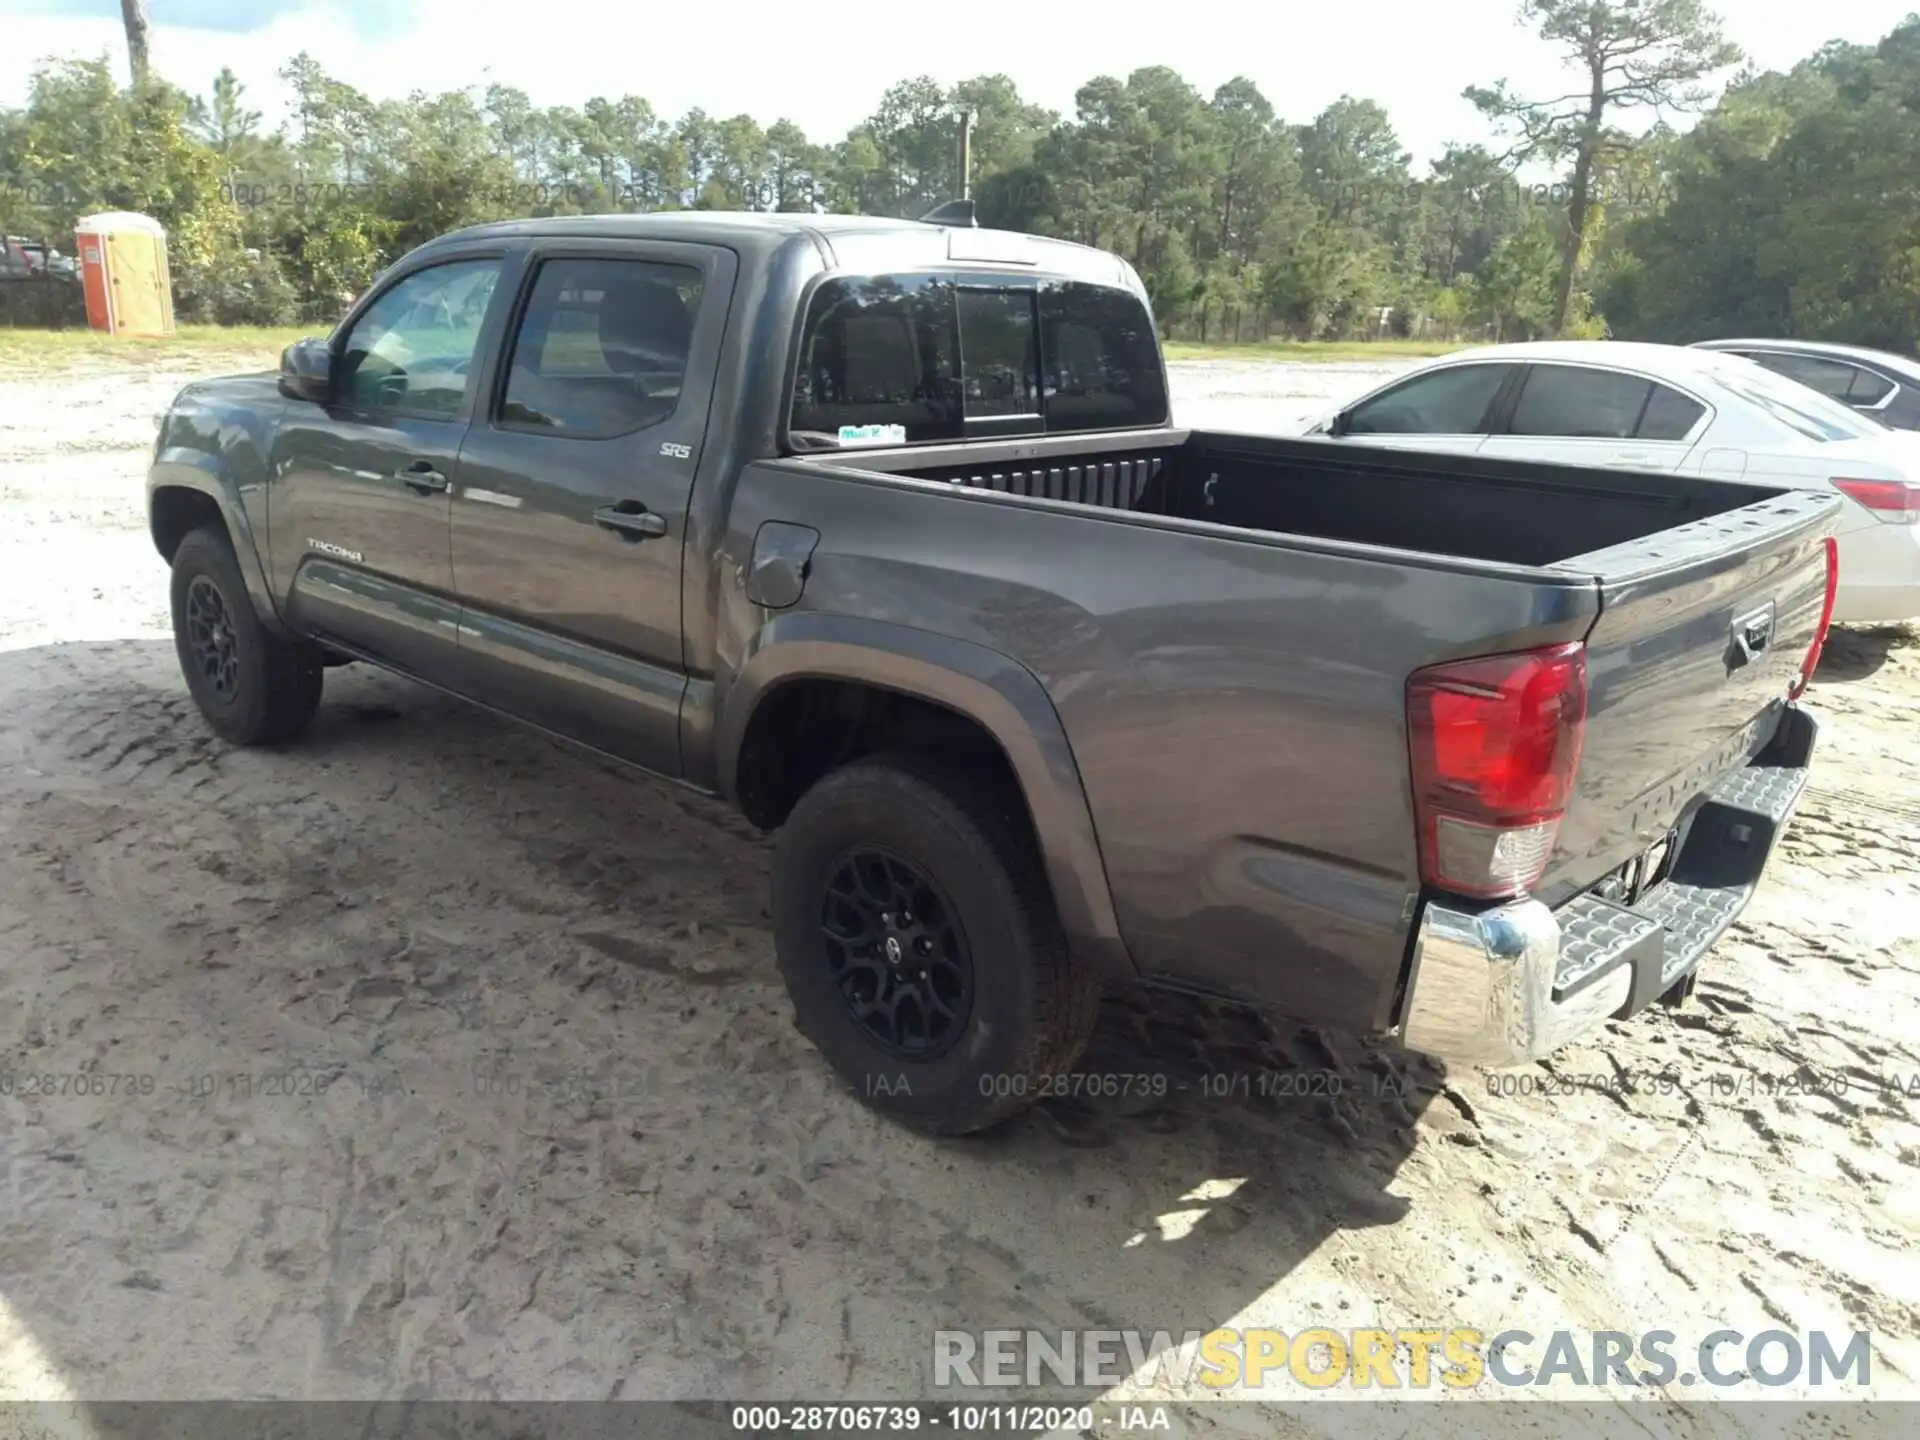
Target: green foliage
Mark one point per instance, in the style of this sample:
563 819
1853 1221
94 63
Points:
1794 209
1793 206
1621 55
1514 290
85 145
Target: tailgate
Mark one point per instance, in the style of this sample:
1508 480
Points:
1702 632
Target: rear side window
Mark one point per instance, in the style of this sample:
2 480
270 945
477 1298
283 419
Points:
1830 377
1669 415
911 359
1570 402
1567 402
1835 379
1800 409
602 347
1869 388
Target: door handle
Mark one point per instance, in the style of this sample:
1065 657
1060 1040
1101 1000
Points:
631 520
421 476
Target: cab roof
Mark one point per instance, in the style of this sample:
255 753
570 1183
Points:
1819 348
866 243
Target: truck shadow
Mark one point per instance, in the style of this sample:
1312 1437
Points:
768 1234
1857 652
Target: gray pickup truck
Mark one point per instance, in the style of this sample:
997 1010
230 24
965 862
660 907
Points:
883 532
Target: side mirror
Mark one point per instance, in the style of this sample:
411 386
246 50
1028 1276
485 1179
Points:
1337 426
306 371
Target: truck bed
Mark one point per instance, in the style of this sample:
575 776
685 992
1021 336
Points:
1507 512
1229 654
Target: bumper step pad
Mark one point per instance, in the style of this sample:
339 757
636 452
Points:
1717 866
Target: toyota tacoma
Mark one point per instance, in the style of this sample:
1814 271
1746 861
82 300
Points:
884 532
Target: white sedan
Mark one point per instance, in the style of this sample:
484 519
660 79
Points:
1668 408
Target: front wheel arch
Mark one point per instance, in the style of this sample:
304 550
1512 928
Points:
188 491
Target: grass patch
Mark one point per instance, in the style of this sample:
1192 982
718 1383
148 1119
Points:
1315 351
26 352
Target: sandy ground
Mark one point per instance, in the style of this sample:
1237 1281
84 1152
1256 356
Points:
445 1063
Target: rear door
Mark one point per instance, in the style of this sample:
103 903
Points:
1702 632
1446 409
1593 415
570 515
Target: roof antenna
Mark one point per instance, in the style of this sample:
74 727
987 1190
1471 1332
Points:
953 212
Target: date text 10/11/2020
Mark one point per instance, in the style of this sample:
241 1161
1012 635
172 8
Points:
977 1419
298 1081
1303 1084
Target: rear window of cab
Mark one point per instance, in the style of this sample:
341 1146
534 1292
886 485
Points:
917 359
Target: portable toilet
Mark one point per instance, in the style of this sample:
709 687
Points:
123 265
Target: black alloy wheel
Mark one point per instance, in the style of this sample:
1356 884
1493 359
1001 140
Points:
897 954
210 638
252 685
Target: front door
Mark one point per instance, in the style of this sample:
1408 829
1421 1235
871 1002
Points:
570 514
358 512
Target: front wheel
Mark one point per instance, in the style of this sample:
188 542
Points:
920 947
253 687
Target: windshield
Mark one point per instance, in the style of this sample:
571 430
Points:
1801 409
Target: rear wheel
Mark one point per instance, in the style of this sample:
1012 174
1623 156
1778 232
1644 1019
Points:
253 687
919 944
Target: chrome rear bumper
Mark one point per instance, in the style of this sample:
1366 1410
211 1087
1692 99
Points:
1512 984
1483 987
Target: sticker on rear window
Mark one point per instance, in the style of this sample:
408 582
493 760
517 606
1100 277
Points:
873 434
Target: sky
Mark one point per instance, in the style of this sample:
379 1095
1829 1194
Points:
750 56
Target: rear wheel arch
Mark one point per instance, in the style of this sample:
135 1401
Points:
820 692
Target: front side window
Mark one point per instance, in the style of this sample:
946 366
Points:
412 351
1453 401
602 347
911 359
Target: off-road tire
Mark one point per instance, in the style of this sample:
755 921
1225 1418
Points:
275 683
1032 1009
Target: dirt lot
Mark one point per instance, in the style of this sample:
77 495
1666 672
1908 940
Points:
451 1064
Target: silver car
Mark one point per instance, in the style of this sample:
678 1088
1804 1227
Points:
1874 382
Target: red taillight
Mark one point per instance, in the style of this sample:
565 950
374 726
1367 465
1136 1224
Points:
1893 502
1495 745
1812 662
